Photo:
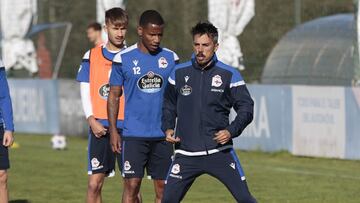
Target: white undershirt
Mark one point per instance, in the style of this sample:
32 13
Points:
86 99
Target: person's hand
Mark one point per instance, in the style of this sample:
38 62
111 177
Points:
170 136
8 139
97 128
222 137
115 141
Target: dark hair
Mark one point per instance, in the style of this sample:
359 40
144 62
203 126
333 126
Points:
94 25
116 16
205 28
152 17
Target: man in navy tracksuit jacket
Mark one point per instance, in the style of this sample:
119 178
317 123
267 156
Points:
199 95
6 132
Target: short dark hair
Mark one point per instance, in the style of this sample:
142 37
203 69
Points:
205 28
152 17
116 16
94 25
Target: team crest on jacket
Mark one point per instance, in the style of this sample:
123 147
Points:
216 81
163 62
104 91
186 90
150 82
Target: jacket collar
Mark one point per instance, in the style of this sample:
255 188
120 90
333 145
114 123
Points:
196 65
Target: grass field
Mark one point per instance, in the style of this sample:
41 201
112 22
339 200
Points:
39 174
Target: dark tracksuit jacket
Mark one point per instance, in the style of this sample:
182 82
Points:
201 100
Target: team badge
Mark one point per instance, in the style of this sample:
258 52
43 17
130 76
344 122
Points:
216 81
186 90
175 169
104 91
150 83
127 165
163 62
95 163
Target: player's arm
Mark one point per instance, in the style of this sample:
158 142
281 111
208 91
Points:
96 127
116 82
83 77
6 109
243 105
169 110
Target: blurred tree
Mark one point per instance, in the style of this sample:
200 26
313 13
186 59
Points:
272 20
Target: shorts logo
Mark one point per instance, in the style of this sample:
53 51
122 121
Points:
104 91
175 169
150 83
232 165
95 163
127 165
162 62
216 81
186 90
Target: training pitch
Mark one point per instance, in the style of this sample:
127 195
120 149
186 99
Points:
39 174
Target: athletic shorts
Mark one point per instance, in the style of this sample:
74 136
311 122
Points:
4 153
137 155
224 166
101 159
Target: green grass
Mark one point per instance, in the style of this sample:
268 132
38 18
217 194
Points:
39 174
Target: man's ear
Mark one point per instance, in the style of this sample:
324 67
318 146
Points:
140 31
216 46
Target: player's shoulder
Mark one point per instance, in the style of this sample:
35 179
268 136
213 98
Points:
173 53
236 75
186 64
178 67
86 55
118 58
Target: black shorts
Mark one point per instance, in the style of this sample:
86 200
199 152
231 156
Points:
137 155
101 159
224 166
4 153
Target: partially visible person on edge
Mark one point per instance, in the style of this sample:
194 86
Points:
6 133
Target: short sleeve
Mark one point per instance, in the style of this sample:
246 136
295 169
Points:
116 76
83 74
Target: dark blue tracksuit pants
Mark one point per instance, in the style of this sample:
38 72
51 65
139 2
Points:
224 166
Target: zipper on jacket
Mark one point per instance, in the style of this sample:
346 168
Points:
201 122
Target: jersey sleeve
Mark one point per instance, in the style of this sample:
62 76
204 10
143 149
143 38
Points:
242 104
176 58
116 76
171 78
5 101
84 69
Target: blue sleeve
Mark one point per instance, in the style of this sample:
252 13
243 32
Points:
116 76
171 79
5 102
84 69
83 74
